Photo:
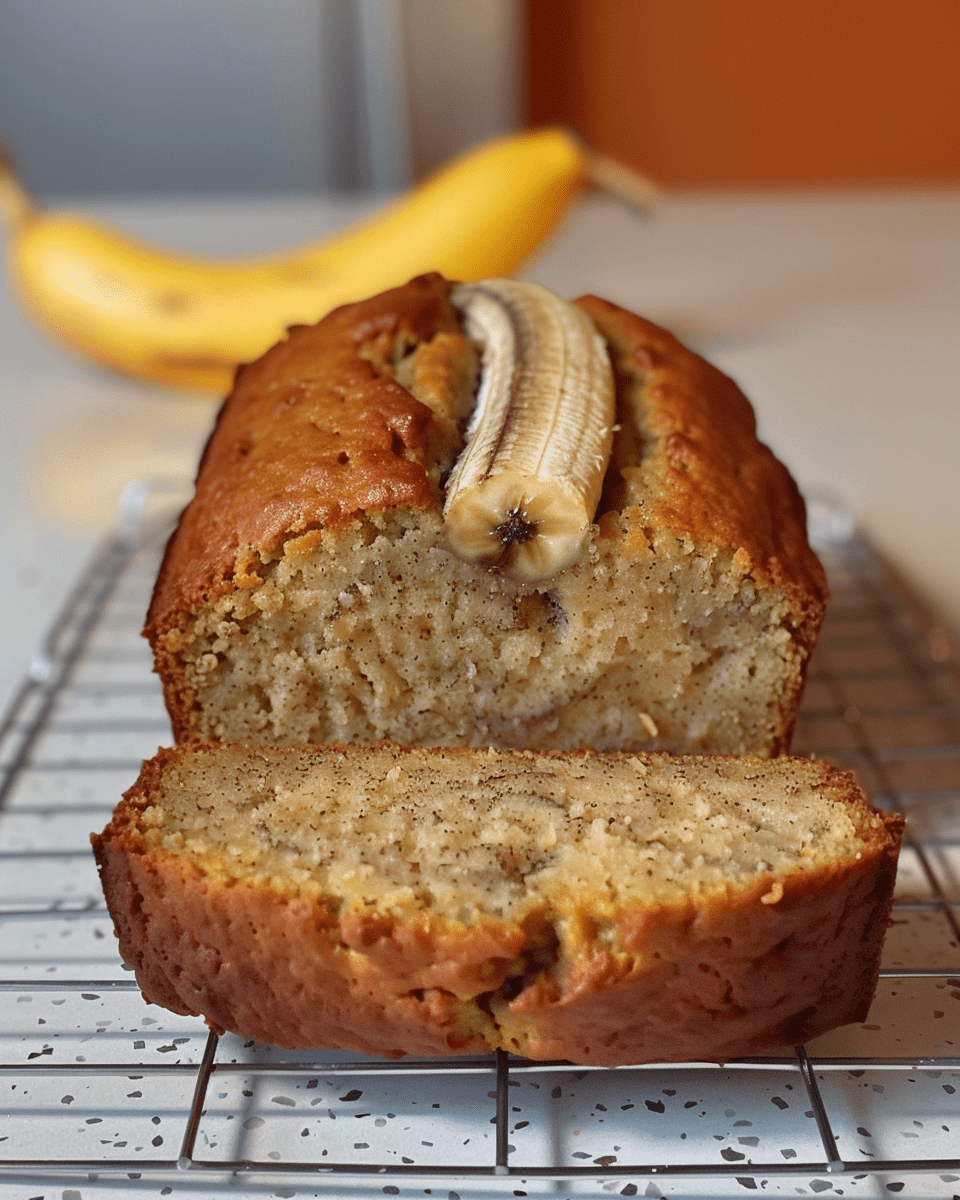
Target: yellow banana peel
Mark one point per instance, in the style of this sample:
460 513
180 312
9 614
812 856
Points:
188 322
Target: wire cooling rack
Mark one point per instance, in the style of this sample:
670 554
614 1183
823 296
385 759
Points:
104 1095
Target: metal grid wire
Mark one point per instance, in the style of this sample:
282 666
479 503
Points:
104 1094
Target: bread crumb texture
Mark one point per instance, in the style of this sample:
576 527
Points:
598 908
519 830
666 649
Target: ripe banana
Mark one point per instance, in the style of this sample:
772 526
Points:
522 495
188 322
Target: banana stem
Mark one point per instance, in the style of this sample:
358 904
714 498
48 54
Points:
636 190
16 203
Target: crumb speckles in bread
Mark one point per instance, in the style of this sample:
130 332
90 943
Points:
602 909
308 594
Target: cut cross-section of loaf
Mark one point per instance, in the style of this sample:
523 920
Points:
311 594
601 909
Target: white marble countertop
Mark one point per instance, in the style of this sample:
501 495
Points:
838 313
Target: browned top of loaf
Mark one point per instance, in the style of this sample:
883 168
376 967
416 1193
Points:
314 435
702 470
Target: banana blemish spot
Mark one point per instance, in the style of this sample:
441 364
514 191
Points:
516 529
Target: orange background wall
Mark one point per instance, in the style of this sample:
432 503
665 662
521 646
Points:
735 92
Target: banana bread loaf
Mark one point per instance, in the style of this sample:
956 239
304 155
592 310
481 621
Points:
602 909
310 593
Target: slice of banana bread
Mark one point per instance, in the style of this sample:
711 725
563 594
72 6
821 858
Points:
309 593
602 909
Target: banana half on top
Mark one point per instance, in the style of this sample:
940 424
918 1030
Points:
525 489
479 514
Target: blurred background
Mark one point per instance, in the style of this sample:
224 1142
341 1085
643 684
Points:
126 97
808 242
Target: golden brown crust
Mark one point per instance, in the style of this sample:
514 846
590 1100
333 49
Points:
703 473
736 972
735 978
315 433
265 967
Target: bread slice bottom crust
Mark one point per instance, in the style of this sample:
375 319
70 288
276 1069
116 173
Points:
758 923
